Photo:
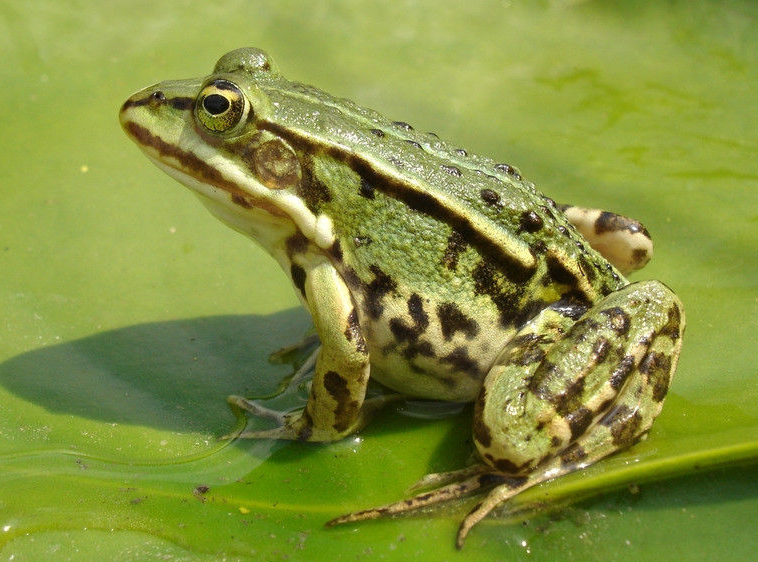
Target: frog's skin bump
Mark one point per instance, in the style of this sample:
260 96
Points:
439 273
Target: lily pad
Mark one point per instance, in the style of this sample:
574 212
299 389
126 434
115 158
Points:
129 314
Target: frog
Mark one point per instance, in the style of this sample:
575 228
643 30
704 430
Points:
436 272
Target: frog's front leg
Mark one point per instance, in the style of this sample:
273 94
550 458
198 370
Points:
335 406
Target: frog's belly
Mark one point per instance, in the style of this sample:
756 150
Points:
432 367
395 374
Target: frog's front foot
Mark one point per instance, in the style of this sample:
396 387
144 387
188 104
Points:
242 403
293 426
298 425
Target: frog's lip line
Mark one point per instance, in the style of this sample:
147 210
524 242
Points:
187 160
175 162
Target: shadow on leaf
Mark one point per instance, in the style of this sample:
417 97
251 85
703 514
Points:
171 375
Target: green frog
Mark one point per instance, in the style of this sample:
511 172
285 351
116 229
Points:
439 273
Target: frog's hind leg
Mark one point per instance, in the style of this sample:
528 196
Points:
571 387
621 240
553 405
543 331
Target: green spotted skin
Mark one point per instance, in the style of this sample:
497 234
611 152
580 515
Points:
439 273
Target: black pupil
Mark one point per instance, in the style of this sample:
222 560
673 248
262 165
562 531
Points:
215 104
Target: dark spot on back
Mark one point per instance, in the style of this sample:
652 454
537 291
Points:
416 200
377 133
559 273
366 189
376 290
312 191
402 125
491 198
452 170
539 382
505 296
508 169
568 402
530 222
455 246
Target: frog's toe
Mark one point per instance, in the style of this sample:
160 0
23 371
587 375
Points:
242 403
445 493
290 425
508 488
437 479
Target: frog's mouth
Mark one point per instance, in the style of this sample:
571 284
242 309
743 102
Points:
190 170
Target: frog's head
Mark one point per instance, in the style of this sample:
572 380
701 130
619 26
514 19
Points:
207 134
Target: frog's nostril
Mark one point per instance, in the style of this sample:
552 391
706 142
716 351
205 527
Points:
158 96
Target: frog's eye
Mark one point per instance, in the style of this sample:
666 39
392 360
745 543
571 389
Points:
220 106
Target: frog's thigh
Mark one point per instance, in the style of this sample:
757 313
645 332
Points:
621 240
558 401
334 407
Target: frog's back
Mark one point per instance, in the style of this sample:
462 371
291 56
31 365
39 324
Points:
446 253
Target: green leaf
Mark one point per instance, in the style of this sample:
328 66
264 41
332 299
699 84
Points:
128 314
